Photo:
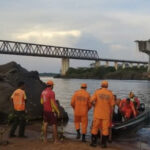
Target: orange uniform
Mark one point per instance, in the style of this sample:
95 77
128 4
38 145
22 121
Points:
104 101
81 105
19 98
127 108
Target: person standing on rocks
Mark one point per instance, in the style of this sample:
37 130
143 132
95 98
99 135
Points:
19 100
80 102
50 109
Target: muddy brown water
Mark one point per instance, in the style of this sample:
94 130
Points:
64 89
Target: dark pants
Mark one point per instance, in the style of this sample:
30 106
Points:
20 120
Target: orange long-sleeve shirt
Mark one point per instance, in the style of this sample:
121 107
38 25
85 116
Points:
81 102
124 106
104 101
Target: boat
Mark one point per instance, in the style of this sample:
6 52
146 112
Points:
132 124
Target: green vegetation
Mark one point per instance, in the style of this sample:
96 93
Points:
107 72
48 74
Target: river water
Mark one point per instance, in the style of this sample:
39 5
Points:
64 89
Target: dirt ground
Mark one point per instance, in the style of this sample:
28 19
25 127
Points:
33 142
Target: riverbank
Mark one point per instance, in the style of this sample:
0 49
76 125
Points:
103 72
33 142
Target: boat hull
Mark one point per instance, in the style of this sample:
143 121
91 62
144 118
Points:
132 124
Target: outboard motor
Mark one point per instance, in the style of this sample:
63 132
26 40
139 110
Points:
142 107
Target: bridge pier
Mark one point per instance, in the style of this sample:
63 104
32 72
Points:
130 65
65 66
148 70
116 65
138 65
97 63
123 65
107 64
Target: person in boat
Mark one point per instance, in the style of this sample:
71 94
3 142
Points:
135 101
80 103
117 117
127 108
103 100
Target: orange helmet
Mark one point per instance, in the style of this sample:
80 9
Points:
83 85
104 84
50 82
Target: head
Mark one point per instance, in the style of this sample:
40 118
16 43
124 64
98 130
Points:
21 85
131 94
84 86
118 101
104 84
50 84
115 97
128 100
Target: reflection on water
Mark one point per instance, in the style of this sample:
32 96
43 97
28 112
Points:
64 89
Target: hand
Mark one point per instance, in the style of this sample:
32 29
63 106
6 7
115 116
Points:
58 114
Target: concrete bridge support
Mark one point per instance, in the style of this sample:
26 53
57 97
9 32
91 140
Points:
130 65
97 63
123 65
148 70
138 65
107 64
116 65
65 66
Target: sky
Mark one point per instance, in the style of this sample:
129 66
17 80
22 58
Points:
108 26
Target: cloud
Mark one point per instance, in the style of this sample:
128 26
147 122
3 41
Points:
109 26
47 34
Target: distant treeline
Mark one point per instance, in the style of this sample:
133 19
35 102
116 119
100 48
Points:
108 73
48 74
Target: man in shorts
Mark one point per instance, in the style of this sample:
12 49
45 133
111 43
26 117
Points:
50 110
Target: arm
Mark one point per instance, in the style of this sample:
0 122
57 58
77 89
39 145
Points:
41 100
54 104
25 98
89 104
11 101
55 107
73 101
112 104
93 99
133 109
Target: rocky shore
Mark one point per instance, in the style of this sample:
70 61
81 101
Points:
10 75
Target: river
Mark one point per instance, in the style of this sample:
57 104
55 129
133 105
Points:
64 89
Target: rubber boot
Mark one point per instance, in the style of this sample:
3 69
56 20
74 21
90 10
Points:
104 141
78 134
93 140
83 138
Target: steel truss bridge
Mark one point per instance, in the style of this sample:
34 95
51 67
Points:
30 49
66 53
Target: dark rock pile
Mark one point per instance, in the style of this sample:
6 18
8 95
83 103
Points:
10 75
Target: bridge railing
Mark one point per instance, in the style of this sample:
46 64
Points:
30 49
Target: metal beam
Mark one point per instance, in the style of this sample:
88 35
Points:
31 49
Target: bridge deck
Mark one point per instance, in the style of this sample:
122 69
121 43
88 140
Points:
40 50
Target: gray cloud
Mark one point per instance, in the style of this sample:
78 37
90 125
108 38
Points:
110 26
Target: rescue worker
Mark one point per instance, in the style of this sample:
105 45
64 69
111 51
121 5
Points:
103 100
18 100
127 108
117 117
50 110
80 102
135 101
